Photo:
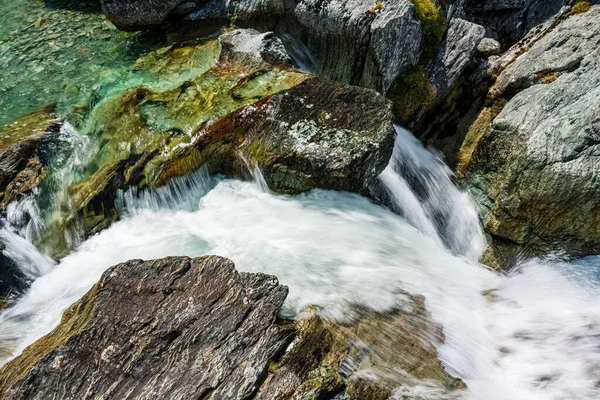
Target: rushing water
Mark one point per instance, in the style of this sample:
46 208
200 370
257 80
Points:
533 335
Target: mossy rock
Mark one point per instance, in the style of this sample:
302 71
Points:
327 357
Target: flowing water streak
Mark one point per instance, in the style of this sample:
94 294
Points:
421 189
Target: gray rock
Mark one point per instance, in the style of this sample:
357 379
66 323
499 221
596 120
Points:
248 46
532 157
488 47
175 328
456 54
136 14
356 42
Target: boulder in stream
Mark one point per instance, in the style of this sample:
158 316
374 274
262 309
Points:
182 328
531 159
303 132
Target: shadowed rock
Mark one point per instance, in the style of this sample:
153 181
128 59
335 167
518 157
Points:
175 328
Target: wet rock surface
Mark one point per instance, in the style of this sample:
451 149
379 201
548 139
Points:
531 157
173 328
183 328
303 132
21 165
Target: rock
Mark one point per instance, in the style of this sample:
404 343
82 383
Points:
531 157
367 358
303 132
192 328
21 167
250 46
136 15
510 20
196 328
488 47
358 42
318 134
434 101
457 53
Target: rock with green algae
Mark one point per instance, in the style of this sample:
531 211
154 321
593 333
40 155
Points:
215 326
531 158
304 133
367 358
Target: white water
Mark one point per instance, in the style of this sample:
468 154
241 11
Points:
539 340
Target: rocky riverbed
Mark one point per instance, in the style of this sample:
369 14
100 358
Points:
115 108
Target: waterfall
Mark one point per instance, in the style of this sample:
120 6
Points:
421 189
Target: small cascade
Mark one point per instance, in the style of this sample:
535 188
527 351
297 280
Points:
302 56
256 173
23 223
421 189
181 193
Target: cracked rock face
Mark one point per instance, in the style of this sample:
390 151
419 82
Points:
175 328
532 157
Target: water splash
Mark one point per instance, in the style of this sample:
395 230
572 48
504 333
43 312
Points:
421 188
256 173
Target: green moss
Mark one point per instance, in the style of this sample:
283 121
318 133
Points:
580 7
434 24
546 76
411 92
35 123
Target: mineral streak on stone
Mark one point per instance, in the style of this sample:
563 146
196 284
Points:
175 328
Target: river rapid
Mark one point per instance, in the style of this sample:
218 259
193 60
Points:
532 333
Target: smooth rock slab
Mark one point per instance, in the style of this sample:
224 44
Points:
174 328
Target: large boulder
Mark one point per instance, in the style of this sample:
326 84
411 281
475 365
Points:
303 132
196 328
190 328
531 157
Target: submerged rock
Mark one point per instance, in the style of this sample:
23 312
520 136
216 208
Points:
196 328
531 157
368 358
21 165
191 328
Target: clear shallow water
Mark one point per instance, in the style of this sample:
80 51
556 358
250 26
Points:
536 335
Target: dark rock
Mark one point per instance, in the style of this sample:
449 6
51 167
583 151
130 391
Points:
531 157
182 328
21 167
510 20
136 14
175 328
